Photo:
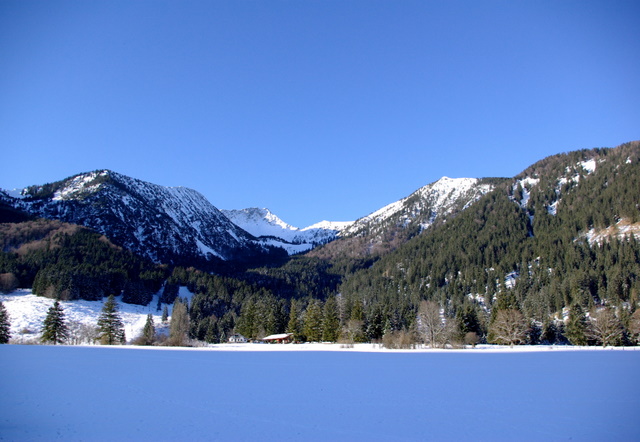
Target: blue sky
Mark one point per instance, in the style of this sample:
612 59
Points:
314 109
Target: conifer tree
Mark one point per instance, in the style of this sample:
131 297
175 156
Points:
110 324
5 333
576 331
293 326
330 321
55 329
313 321
149 331
165 314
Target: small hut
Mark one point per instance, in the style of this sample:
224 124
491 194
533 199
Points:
282 338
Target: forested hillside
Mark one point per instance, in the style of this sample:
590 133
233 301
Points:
524 246
551 255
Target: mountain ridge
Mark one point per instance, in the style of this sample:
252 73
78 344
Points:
172 224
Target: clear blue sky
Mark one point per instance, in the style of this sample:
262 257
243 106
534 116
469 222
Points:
314 109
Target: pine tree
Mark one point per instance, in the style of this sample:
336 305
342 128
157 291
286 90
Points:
110 324
55 329
149 331
165 314
5 333
330 321
576 331
293 326
313 321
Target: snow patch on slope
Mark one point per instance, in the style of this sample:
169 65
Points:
621 230
79 184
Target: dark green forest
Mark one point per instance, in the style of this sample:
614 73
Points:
543 258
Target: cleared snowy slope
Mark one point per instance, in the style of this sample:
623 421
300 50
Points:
27 312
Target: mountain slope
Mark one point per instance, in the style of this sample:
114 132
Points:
161 223
523 245
389 227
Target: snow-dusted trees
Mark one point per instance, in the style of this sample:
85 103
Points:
509 328
5 333
55 330
110 324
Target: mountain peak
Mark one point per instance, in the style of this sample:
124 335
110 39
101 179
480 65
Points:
162 223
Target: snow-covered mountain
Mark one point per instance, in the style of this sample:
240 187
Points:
266 226
424 206
165 224
179 225
387 228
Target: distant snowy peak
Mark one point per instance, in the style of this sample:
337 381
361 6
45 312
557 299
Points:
259 222
262 223
426 205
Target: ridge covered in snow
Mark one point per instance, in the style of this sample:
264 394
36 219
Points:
161 223
268 227
427 204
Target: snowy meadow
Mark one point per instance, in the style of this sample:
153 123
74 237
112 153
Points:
131 393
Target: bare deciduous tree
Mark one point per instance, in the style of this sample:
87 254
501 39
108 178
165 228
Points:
80 333
605 327
435 329
509 328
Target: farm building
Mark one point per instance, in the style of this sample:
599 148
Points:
282 338
237 338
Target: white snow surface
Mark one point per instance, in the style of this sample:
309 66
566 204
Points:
60 393
589 165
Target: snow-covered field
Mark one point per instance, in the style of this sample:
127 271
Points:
126 393
305 391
